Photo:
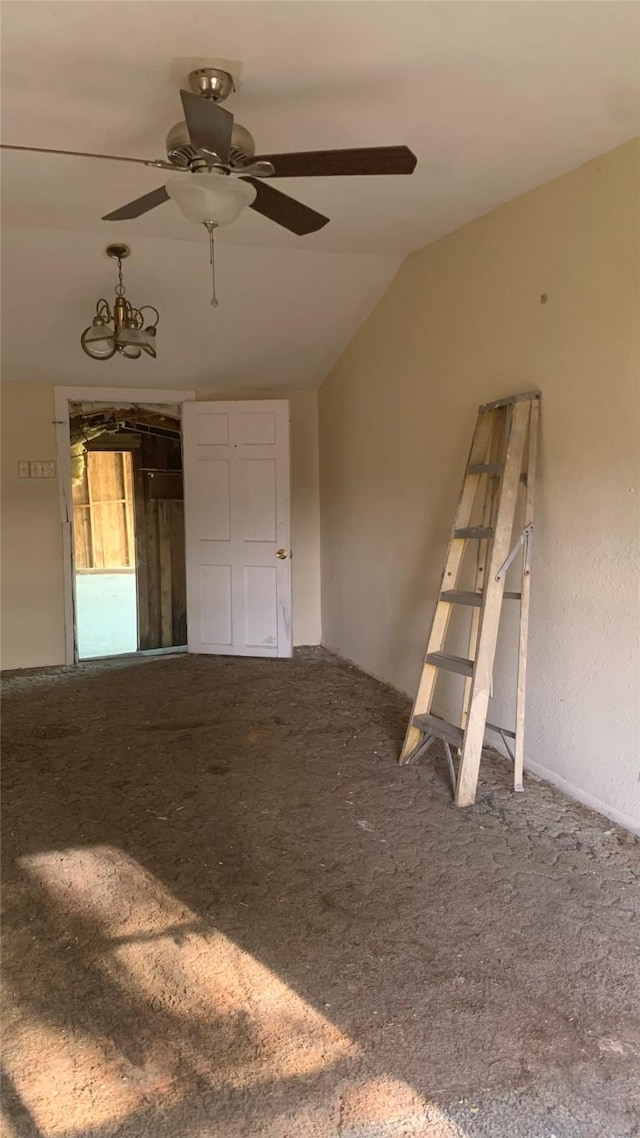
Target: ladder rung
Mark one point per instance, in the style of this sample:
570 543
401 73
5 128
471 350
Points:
512 596
485 468
459 597
478 532
434 725
500 730
451 663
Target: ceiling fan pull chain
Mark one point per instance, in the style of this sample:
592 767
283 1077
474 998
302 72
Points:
210 226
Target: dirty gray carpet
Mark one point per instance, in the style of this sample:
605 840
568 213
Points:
228 913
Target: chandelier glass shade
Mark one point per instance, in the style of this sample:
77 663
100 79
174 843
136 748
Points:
120 328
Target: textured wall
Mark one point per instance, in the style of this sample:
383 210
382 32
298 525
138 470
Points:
462 323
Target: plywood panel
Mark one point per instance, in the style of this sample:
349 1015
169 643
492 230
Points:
150 536
103 512
160 544
164 555
82 537
81 490
164 484
178 573
142 575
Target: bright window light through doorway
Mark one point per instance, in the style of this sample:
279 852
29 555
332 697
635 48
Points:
105 556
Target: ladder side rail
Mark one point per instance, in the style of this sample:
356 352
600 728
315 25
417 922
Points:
483 670
518 762
496 457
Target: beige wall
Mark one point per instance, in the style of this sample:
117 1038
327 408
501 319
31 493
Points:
32 590
32 582
462 323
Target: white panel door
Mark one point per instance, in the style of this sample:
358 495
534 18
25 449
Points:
236 510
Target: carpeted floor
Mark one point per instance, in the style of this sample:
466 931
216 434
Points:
228 913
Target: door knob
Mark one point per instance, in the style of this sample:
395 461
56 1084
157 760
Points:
281 553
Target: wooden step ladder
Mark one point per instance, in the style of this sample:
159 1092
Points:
502 455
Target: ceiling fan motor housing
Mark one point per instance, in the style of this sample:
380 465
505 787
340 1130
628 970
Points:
182 154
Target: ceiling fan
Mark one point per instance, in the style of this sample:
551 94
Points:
219 153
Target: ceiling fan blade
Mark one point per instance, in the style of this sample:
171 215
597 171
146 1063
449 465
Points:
323 163
84 154
138 206
285 211
208 124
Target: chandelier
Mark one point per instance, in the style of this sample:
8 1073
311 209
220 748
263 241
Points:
121 329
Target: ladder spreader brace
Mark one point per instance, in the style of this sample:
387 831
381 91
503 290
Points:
525 541
502 456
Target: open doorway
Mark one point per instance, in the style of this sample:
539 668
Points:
105 555
128 529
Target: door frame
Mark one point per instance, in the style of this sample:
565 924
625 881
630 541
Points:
62 397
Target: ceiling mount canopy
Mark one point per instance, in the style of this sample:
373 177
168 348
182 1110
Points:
211 82
121 328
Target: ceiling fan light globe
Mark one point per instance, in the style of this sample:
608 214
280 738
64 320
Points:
210 198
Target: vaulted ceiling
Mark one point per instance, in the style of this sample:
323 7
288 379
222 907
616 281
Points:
494 99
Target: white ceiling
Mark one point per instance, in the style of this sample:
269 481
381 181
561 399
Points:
284 315
494 98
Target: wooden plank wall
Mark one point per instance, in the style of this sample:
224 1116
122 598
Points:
162 589
162 619
103 523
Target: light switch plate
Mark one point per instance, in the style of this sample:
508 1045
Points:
42 469
23 470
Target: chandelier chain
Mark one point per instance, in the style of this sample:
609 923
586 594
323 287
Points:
120 289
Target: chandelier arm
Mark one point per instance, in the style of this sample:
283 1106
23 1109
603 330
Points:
134 316
150 308
103 310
